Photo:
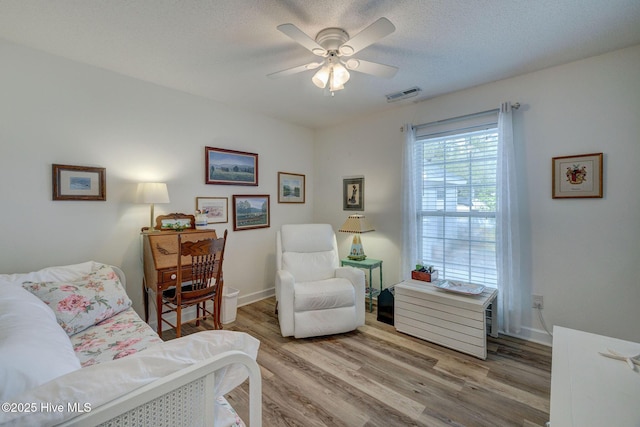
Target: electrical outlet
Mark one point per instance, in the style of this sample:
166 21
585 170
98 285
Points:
537 301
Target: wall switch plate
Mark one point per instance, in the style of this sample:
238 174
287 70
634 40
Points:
537 301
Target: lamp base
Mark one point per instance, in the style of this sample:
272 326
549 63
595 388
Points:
357 251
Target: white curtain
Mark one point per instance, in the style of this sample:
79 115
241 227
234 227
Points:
409 221
508 228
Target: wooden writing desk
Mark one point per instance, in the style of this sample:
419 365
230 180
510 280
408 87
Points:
160 251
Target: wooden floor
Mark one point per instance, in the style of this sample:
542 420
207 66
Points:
376 376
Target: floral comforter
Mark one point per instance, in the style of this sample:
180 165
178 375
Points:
118 336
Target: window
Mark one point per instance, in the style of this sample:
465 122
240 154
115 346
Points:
456 200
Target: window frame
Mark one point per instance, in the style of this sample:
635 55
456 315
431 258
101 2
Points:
474 268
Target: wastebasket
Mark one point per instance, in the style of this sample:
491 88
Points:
229 305
385 305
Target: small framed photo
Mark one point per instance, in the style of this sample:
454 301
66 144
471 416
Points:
291 187
577 176
230 167
79 183
353 194
215 208
250 211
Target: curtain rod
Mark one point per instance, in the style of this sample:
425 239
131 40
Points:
466 116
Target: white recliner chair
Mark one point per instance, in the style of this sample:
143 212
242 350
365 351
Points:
315 296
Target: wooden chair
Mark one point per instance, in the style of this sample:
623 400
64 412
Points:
203 283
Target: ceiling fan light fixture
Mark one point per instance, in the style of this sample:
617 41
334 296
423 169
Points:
321 77
339 76
333 43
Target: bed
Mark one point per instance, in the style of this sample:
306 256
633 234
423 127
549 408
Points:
73 352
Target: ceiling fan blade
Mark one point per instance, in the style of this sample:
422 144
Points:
294 70
373 68
301 38
374 32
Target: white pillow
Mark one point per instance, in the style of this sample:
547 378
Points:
33 347
52 274
83 303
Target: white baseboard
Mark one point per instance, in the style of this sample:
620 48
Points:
187 314
256 296
533 335
190 313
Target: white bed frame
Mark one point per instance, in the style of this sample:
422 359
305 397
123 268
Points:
184 398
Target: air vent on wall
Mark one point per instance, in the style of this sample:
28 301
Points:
408 93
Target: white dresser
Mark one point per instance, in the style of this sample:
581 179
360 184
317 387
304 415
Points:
459 322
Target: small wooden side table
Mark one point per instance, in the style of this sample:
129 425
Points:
367 264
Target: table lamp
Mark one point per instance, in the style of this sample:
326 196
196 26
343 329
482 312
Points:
356 224
153 192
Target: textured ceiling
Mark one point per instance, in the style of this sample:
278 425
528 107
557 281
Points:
223 49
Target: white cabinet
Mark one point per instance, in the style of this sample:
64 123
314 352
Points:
460 322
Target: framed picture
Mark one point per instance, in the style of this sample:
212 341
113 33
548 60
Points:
250 211
79 183
290 187
215 208
577 176
230 167
353 194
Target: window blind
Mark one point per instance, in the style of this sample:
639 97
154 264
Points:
456 209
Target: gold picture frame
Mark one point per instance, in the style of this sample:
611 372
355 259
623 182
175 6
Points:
577 176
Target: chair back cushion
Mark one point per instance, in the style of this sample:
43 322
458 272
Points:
309 251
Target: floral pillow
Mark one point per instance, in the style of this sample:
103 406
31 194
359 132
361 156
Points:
85 302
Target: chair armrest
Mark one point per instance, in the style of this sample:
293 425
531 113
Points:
284 298
356 277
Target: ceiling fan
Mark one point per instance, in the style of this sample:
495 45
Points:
336 49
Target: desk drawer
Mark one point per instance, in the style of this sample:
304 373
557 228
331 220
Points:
166 275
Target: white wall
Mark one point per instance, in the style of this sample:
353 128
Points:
57 111
581 255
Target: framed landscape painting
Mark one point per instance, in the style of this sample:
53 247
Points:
79 183
291 187
250 211
230 167
577 176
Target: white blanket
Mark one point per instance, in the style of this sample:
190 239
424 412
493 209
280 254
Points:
99 384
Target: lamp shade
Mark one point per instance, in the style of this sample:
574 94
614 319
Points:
321 77
153 192
356 224
339 77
